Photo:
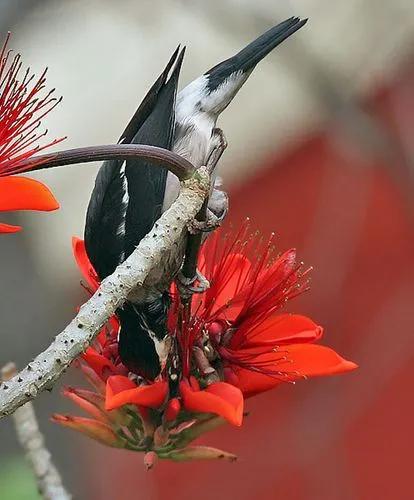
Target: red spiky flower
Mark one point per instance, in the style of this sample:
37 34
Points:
236 343
23 104
255 346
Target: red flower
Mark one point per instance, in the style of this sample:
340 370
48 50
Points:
21 109
258 347
236 334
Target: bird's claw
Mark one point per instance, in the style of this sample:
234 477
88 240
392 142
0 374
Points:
186 285
218 146
220 141
206 226
218 206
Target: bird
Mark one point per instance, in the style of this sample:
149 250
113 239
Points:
129 196
124 205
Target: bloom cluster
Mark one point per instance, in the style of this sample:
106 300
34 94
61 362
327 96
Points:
234 343
23 104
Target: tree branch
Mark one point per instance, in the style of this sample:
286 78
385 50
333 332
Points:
31 439
45 369
178 165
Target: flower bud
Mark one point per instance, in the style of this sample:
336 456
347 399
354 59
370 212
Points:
149 459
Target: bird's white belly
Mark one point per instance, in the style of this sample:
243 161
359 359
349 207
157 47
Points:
193 146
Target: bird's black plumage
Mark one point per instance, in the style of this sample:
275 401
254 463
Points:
126 201
252 54
146 183
127 196
148 103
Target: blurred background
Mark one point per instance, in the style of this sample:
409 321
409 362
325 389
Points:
321 151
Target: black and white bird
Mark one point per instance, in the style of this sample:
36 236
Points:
130 196
125 202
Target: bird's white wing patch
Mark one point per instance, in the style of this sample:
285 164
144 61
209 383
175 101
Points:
124 206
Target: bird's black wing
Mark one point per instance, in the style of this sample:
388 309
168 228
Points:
146 183
112 206
104 219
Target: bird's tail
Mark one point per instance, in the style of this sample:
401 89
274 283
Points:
149 101
247 58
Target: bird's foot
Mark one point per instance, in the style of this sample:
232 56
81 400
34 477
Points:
219 140
186 285
218 205
211 223
218 146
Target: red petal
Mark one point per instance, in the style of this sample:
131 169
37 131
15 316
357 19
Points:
101 365
82 260
219 398
235 271
120 383
280 268
92 428
7 228
317 360
265 287
252 383
280 329
91 402
224 287
302 360
121 391
22 193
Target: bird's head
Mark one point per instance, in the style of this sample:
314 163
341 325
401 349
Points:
144 343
